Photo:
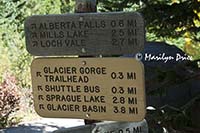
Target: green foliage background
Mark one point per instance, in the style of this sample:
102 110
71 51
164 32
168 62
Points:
14 57
176 22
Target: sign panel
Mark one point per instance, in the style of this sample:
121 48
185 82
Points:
85 34
109 127
121 127
89 88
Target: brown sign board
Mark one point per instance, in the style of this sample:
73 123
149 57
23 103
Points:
85 34
89 88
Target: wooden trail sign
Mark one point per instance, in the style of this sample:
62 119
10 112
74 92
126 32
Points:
85 34
109 127
89 88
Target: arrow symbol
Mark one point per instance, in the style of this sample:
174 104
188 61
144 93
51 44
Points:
38 74
41 106
40 97
40 88
35 43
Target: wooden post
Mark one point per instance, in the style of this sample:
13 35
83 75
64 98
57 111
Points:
83 6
